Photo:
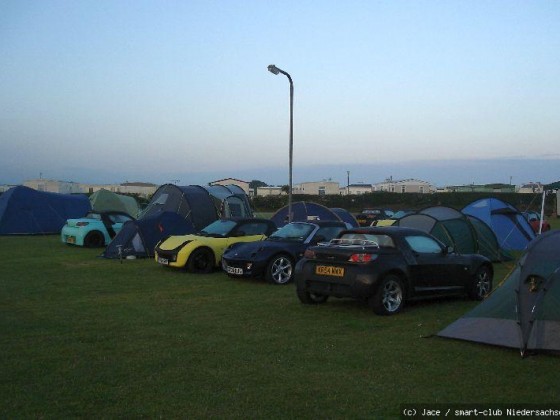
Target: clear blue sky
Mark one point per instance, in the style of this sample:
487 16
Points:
448 91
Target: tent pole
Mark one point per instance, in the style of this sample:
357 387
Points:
542 211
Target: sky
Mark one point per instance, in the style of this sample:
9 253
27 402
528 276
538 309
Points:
450 92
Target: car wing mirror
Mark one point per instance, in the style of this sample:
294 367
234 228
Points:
449 250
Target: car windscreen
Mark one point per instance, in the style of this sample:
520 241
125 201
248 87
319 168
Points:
218 228
293 232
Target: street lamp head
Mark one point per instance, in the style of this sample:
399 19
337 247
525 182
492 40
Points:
273 69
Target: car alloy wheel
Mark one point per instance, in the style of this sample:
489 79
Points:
482 283
279 270
389 297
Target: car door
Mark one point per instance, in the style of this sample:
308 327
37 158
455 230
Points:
433 270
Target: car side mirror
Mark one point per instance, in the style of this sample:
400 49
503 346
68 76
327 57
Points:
448 250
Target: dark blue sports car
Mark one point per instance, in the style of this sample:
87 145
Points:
275 257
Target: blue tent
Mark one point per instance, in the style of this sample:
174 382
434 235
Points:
512 229
303 211
139 237
25 211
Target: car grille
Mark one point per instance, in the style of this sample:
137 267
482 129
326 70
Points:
167 255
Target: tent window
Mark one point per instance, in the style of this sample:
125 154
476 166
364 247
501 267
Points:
162 199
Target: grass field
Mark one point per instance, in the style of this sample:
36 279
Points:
81 336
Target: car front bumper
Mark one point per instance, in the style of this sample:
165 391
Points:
243 268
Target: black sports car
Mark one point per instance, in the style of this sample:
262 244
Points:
387 266
275 257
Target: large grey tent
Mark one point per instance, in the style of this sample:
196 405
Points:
105 200
230 201
524 312
176 210
454 229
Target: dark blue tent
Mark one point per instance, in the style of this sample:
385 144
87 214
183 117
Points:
512 229
139 237
193 203
303 211
25 211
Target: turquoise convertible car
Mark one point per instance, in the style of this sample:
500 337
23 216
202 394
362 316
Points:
95 230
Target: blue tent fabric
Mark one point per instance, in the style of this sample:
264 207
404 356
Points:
512 229
346 217
303 211
139 237
25 211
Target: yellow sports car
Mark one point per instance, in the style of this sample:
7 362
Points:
202 252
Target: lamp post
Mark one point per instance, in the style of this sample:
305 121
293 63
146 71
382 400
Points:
275 70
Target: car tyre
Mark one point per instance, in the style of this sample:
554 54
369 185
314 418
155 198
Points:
280 270
309 298
201 261
94 239
482 283
389 298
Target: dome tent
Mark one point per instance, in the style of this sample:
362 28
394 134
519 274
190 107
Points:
138 238
512 229
174 210
303 211
524 312
105 200
25 211
454 229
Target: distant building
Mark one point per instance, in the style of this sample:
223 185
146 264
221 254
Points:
144 189
244 185
356 189
51 185
488 188
531 187
267 191
404 186
317 188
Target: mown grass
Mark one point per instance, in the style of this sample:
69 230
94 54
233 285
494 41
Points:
81 336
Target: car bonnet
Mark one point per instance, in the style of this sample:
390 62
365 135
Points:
174 241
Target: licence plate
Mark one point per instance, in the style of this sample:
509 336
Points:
329 270
235 270
163 261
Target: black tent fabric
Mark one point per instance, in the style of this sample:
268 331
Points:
138 238
25 211
524 312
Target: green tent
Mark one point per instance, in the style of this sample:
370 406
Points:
104 200
524 312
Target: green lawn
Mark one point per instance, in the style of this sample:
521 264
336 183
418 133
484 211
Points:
81 336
